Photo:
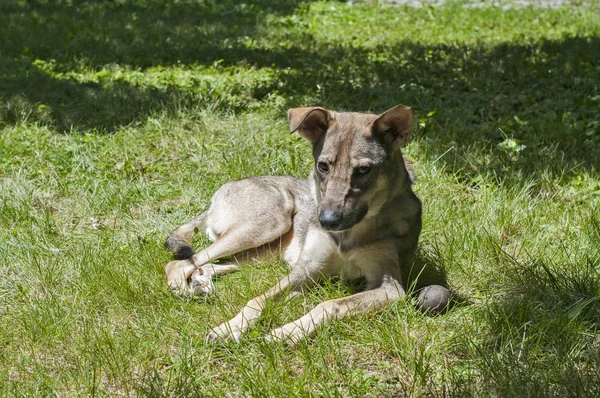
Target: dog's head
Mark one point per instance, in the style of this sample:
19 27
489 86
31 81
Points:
358 163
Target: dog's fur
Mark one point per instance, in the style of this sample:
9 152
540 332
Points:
355 215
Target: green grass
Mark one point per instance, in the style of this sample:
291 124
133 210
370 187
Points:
119 119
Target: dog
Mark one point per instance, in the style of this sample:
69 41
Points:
355 215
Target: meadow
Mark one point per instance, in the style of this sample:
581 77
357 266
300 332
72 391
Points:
119 119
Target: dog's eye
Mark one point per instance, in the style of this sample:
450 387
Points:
323 167
363 170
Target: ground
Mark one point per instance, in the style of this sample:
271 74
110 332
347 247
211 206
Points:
119 119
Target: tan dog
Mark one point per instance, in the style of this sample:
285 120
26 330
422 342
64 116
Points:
356 215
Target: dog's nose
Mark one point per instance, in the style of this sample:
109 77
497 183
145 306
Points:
330 219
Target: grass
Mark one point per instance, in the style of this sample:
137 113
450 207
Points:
119 119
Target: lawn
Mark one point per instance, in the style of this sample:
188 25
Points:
119 119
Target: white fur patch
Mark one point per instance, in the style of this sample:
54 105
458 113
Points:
212 235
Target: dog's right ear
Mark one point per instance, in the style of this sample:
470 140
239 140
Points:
310 122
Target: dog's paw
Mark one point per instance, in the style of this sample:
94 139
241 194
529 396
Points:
224 332
177 273
201 289
201 284
289 334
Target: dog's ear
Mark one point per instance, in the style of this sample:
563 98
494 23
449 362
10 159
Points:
310 122
395 125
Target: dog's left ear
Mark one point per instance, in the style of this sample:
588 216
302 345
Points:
310 122
395 125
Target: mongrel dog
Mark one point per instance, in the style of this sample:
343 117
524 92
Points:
356 215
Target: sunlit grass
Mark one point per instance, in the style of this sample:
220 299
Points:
119 120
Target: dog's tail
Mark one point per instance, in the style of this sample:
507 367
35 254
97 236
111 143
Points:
179 243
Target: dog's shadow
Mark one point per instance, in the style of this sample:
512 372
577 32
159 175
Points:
423 271
426 271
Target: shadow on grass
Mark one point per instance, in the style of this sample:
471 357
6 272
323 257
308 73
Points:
535 107
67 104
542 97
90 35
540 326
542 331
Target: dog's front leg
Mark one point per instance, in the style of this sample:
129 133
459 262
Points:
247 317
371 300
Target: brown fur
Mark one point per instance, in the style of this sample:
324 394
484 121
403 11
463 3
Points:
355 215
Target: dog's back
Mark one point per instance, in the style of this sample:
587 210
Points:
261 202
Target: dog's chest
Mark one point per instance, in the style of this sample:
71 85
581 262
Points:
335 254
340 263
345 259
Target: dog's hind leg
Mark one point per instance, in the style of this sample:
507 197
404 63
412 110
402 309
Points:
179 242
201 283
243 215
230 243
242 237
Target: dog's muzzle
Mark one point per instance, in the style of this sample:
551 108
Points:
330 219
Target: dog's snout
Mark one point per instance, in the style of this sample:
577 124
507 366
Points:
330 219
